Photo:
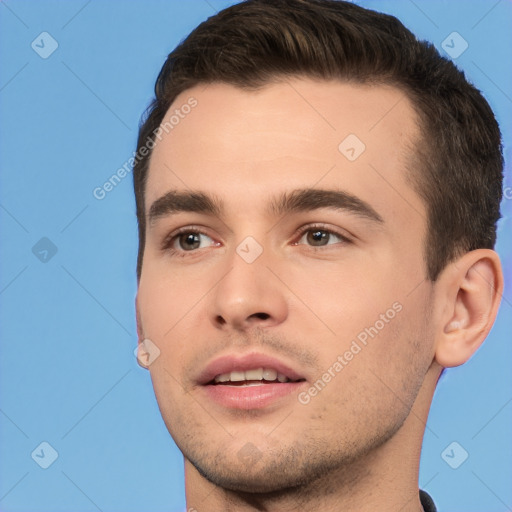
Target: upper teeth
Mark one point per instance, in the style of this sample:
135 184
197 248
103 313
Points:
254 374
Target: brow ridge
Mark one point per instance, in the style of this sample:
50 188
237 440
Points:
299 200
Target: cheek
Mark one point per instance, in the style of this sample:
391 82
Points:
376 324
381 374
347 298
155 304
165 300
171 308
398 352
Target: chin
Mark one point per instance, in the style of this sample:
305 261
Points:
242 479
273 472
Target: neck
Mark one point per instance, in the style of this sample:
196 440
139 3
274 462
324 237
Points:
385 479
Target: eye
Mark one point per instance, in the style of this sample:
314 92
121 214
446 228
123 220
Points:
188 241
319 237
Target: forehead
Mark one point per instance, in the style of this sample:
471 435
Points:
241 145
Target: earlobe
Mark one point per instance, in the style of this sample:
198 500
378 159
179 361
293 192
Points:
470 290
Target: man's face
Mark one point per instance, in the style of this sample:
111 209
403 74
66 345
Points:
309 267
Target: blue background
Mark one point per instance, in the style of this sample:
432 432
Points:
68 375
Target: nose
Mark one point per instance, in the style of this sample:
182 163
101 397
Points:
248 296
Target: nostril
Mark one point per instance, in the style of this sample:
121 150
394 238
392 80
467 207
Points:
261 316
220 320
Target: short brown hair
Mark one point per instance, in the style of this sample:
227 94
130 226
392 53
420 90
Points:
458 171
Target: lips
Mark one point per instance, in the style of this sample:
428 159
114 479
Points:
251 381
247 363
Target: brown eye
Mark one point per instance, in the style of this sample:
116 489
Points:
189 241
318 237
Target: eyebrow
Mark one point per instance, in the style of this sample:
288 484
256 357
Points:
304 200
175 202
301 200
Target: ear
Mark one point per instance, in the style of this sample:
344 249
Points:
470 291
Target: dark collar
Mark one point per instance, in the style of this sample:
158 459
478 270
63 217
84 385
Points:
427 502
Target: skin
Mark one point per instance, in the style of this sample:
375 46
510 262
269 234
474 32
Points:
356 445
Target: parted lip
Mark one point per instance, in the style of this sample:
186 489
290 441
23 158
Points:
242 362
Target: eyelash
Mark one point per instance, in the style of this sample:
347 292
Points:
319 227
171 238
